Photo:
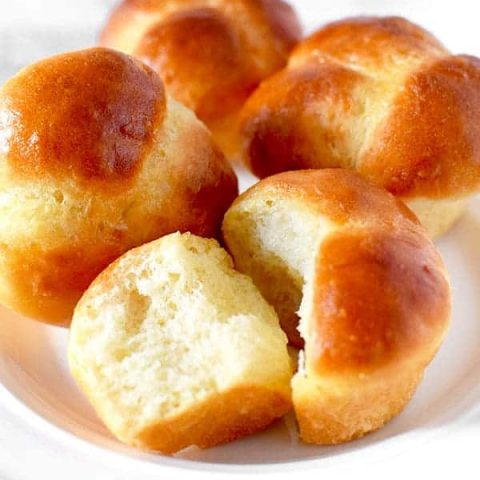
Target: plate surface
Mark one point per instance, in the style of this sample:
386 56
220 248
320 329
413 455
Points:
34 372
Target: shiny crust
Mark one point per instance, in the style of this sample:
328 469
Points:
376 105
211 54
376 304
383 41
91 115
280 124
424 150
378 297
223 79
95 161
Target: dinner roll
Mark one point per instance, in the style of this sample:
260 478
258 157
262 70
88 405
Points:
381 96
211 54
175 348
369 287
95 160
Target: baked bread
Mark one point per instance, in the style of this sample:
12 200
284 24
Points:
381 96
95 160
369 287
211 54
175 348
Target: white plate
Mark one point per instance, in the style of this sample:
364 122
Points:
34 373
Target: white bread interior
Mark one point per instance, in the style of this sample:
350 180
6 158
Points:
174 348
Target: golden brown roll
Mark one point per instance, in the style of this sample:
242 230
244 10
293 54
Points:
211 54
173 347
95 159
370 289
381 96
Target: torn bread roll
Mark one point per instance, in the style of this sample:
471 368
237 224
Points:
175 348
370 289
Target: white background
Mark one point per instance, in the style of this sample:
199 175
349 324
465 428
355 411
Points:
32 29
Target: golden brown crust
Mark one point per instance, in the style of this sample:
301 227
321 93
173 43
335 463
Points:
223 77
376 105
241 411
329 416
46 283
382 41
210 54
339 194
275 18
89 114
378 298
432 144
283 131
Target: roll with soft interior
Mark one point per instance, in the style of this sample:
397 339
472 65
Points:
173 347
358 286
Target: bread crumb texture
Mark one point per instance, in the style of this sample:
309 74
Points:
175 348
